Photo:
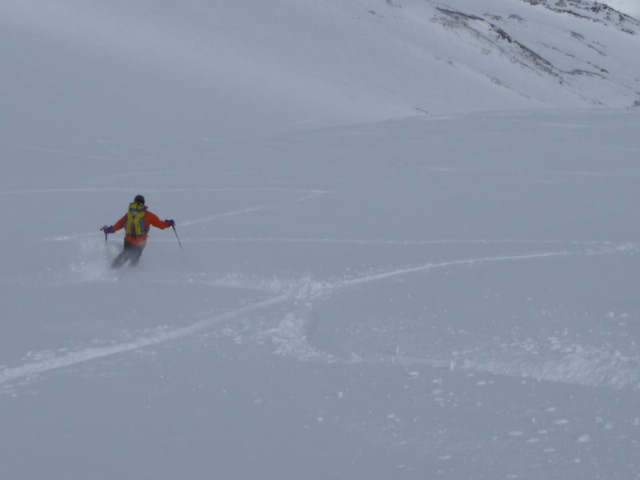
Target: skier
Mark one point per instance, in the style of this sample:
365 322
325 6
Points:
137 223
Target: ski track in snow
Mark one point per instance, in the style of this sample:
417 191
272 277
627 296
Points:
573 364
97 190
210 218
161 336
579 365
356 241
308 195
453 263
293 337
290 337
53 150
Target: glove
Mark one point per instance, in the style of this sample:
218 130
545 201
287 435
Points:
170 223
107 230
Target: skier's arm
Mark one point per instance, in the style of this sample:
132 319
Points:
119 224
156 222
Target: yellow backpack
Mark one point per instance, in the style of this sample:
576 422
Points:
135 224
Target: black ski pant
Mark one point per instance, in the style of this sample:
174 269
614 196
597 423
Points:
130 253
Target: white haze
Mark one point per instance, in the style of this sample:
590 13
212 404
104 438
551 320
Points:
409 240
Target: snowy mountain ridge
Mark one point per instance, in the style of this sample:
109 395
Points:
306 63
569 55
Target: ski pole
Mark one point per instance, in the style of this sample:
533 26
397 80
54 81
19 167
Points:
177 237
104 229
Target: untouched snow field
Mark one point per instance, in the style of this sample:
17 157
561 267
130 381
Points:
363 293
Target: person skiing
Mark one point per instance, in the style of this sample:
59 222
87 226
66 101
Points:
137 223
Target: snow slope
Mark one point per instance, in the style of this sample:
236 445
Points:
139 73
409 244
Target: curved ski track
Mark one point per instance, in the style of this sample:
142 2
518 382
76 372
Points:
310 290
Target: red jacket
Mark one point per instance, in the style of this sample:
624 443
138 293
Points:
151 219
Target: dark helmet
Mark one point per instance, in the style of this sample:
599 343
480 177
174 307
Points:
139 199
